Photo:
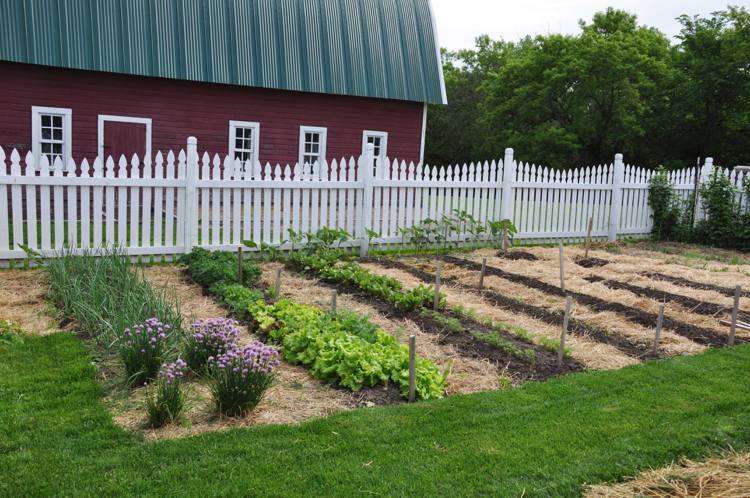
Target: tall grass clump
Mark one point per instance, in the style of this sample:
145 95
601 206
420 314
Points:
105 294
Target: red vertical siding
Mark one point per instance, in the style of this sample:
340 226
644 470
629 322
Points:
179 109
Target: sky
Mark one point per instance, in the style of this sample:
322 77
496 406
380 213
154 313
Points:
460 21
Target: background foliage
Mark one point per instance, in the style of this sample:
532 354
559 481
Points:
617 86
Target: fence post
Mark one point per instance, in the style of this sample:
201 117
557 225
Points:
191 208
705 176
509 179
618 176
365 219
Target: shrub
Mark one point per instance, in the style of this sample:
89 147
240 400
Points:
209 268
104 294
166 402
240 377
143 350
665 205
209 338
723 217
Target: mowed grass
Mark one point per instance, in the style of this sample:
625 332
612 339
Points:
543 439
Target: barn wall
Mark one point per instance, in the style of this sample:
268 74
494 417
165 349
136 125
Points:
179 109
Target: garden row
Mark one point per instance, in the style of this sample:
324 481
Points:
339 346
112 303
500 343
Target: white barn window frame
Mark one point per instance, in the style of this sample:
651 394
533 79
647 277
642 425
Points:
379 139
52 133
241 145
312 144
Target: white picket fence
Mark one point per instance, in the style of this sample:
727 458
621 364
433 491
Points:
166 206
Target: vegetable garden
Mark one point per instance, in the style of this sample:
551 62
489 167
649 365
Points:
225 339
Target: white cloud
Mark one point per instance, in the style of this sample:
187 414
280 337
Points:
460 21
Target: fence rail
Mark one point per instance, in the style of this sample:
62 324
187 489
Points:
173 202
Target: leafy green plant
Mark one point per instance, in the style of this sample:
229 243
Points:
208 268
665 205
10 332
237 298
343 348
498 229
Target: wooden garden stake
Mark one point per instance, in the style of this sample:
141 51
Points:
436 303
566 319
277 284
505 240
735 309
481 274
333 301
562 267
239 264
588 238
657 335
412 368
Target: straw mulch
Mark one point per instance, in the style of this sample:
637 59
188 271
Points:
23 295
294 397
724 477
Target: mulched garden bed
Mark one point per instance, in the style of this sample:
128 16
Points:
367 396
544 367
692 284
575 326
517 255
701 335
691 304
591 262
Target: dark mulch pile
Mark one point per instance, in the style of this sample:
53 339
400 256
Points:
516 255
591 262
378 395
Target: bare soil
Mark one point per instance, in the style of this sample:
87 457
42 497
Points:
694 305
555 318
592 354
692 284
591 262
517 255
698 334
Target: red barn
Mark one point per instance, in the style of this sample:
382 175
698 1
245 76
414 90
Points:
275 80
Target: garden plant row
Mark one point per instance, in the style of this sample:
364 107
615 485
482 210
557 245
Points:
497 342
340 347
112 303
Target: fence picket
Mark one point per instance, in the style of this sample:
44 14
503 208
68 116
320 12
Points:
143 205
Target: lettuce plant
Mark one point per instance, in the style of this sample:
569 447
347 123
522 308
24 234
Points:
166 402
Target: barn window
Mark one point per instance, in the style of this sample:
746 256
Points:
244 137
51 133
379 141
312 144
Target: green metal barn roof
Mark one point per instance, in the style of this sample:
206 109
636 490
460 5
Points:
373 48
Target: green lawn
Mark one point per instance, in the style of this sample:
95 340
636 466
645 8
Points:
546 439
